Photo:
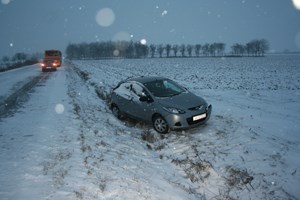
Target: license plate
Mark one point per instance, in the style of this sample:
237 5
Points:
198 117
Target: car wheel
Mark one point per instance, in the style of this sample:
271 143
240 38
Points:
116 111
160 124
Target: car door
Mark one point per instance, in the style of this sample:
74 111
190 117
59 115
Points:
124 97
140 109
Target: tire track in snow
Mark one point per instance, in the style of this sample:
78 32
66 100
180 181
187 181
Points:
10 105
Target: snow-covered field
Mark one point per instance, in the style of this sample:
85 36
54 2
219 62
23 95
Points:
62 142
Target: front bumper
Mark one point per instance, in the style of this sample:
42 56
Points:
48 68
187 120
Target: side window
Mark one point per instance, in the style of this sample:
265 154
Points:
124 90
130 91
137 90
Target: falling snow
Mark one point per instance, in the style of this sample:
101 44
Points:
105 17
165 12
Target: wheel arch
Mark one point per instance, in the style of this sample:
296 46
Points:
155 115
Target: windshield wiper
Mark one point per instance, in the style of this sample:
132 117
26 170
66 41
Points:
175 94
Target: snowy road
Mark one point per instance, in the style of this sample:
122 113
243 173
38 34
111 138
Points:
12 80
62 142
15 85
34 136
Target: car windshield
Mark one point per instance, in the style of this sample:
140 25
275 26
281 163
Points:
48 60
52 53
164 88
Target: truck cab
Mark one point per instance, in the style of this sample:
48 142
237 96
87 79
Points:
54 55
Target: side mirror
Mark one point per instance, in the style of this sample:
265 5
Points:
146 99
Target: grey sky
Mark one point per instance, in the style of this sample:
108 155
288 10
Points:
34 25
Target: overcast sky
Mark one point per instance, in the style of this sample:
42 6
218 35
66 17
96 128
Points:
35 25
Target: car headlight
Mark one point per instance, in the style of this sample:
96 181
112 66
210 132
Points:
174 110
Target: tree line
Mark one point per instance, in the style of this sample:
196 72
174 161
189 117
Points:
131 49
253 48
17 60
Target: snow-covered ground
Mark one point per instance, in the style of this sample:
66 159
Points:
62 142
14 79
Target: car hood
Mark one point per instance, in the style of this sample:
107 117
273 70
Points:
184 100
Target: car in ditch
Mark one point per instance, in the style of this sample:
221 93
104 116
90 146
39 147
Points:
160 101
49 65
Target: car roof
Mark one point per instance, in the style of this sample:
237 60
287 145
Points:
146 79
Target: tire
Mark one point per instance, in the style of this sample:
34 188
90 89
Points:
116 111
160 124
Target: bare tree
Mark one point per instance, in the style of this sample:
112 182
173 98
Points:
197 49
189 49
5 59
249 48
264 46
205 49
257 47
168 49
238 49
212 49
182 50
141 50
220 48
129 51
19 57
175 49
152 50
160 50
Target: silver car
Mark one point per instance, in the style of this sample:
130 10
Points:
159 101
